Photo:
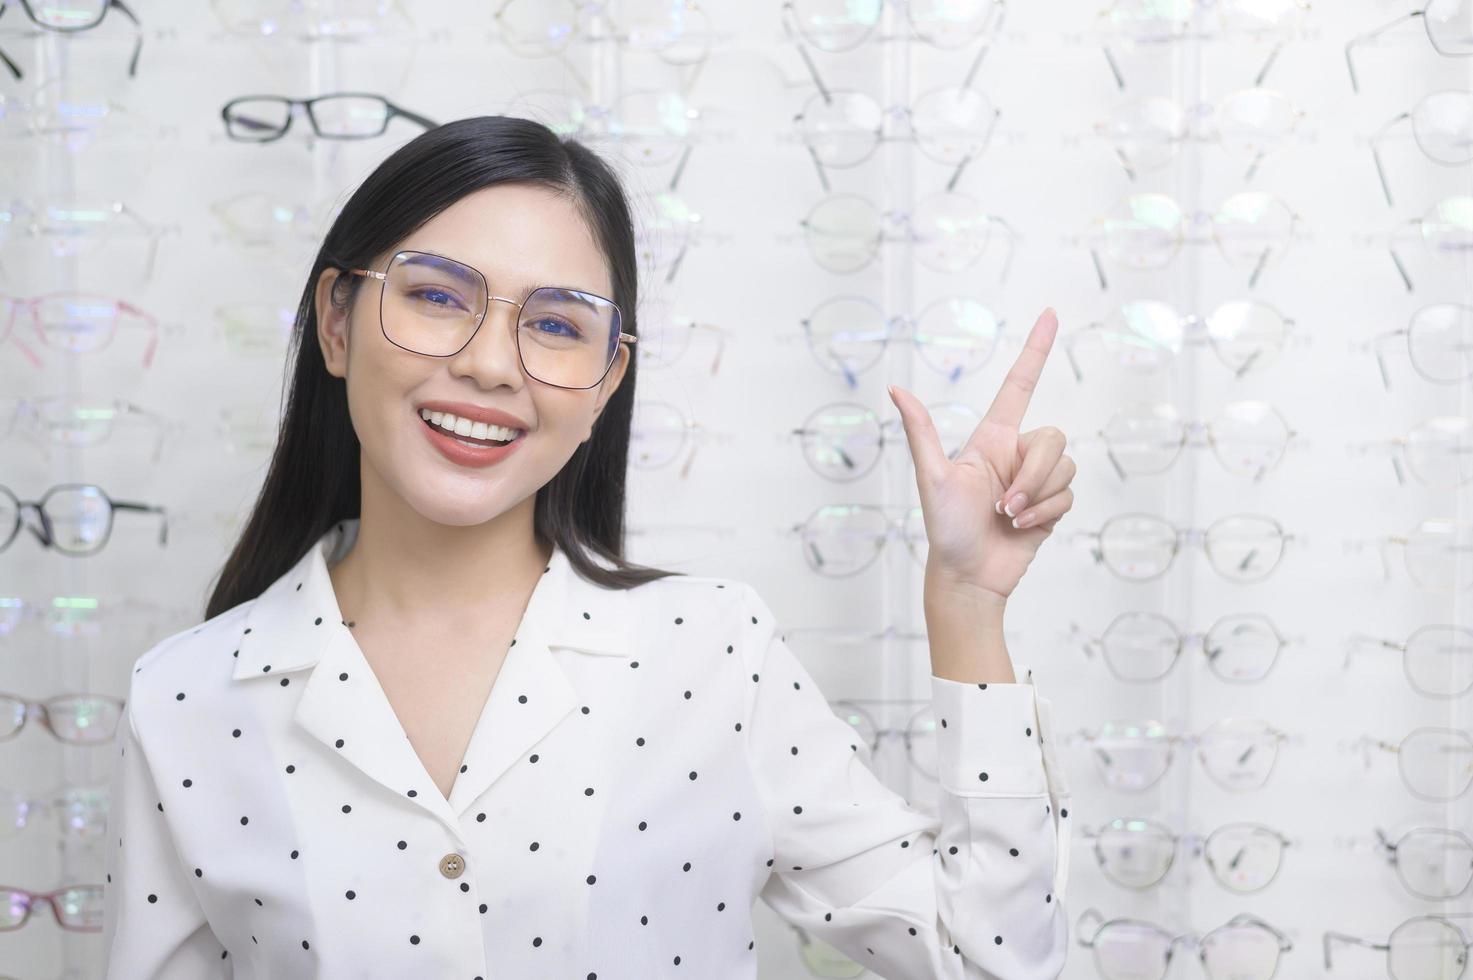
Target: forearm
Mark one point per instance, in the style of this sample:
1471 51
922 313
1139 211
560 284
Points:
965 632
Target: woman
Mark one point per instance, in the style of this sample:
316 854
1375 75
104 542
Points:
422 733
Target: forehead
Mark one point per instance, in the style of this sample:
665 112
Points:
520 236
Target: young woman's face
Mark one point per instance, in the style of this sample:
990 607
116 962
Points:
519 236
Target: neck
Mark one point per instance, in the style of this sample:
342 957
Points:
409 573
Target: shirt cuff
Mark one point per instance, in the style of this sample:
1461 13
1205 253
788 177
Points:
988 739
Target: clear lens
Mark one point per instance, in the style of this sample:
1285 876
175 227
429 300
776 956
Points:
1255 121
1132 757
956 336
1244 857
257 119
1448 227
567 337
68 15
1439 660
843 232
835 25
1239 753
1439 554
1249 437
1450 26
1244 548
1126 950
82 720
79 907
1135 853
1144 438
1141 646
1145 232
1443 124
1252 227
842 441
951 23
76 323
1437 763
1242 647
1137 546
1146 132
349 116
1439 451
842 130
1240 952
1246 334
1142 335
844 539
951 232
847 334
80 516
1434 863
1440 342
952 124
1426 947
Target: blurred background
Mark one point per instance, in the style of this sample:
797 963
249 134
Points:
1254 218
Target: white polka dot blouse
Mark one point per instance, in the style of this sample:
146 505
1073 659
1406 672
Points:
648 764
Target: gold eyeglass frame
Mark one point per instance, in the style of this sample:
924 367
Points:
383 277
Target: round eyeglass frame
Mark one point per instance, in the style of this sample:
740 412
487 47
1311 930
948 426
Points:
383 278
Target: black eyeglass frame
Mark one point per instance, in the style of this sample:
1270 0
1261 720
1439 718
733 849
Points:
383 279
390 111
72 29
46 534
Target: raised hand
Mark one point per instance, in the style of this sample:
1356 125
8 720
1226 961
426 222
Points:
987 511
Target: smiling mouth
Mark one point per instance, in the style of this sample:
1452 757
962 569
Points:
468 438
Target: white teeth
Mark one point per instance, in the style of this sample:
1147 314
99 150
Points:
465 427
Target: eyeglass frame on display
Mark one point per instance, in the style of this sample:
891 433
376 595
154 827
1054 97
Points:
1089 643
1201 324
1185 938
391 110
383 277
1197 842
45 534
106 6
1421 12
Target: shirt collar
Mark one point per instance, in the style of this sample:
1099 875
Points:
290 624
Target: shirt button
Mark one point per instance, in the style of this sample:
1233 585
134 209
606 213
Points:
451 865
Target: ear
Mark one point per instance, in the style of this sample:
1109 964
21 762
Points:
332 324
610 385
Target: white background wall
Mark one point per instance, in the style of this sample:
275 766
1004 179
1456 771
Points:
751 182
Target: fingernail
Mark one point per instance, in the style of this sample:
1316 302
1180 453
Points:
997 506
1016 504
1024 520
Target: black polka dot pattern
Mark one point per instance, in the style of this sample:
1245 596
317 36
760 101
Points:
269 805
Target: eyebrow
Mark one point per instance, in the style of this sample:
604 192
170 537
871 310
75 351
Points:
440 261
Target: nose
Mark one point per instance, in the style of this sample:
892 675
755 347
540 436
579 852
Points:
492 356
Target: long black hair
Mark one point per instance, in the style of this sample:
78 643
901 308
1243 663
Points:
313 480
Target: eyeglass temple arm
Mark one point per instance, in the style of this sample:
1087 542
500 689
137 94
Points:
1361 642
137 44
413 116
1371 36
1376 154
150 323
148 509
1341 937
14 68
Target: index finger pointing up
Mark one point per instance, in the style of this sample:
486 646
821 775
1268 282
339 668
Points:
1017 388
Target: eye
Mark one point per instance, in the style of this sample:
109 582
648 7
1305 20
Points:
435 296
557 325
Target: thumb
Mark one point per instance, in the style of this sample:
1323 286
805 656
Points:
920 434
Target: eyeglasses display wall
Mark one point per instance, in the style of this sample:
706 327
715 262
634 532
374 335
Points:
1254 218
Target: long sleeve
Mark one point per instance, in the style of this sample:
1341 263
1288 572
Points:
153 926
976 891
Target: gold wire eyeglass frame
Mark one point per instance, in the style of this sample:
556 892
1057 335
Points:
383 277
